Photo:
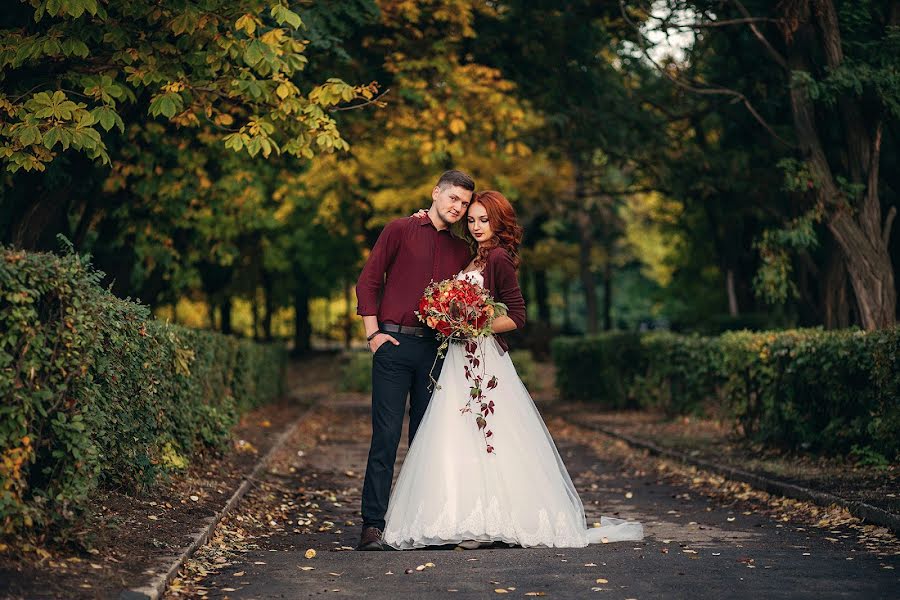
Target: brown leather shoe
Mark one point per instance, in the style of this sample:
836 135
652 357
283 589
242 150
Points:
370 539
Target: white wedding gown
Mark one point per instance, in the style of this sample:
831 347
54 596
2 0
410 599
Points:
450 489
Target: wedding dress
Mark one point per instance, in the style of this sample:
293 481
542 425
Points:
450 489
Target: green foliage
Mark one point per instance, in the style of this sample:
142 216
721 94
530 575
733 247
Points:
806 389
356 374
598 368
96 392
228 68
523 361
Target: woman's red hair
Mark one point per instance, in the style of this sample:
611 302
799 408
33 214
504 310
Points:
504 225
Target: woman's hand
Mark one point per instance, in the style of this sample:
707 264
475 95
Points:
420 213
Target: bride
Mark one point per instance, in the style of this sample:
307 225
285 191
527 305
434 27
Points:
453 489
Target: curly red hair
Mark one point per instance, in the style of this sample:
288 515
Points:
504 225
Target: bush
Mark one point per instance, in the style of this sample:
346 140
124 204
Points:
356 374
825 391
523 361
96 392
599 368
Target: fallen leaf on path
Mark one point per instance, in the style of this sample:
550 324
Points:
590 565
535 593
500 591
601 580
307 568
310 553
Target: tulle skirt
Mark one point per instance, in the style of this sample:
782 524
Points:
450 489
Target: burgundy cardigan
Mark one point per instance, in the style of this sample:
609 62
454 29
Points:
502 281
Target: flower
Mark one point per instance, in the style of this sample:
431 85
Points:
459 310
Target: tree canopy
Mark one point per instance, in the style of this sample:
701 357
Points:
692 164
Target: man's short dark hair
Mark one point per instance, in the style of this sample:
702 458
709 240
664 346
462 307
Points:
456 178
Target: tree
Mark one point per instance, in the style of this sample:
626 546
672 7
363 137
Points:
567 60
80 77
837 62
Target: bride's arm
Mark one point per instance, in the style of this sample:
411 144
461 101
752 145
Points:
506 284
503 324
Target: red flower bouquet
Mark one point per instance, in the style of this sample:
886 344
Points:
461 311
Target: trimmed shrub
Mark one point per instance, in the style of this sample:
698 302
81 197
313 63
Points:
599 368
356 374
97 392
523 361
681 373
807 389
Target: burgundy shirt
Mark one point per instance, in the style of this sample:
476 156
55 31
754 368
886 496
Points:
502 281
410 253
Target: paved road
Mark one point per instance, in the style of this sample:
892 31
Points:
698 545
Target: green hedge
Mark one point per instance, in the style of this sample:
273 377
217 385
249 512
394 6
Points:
825 391
98 393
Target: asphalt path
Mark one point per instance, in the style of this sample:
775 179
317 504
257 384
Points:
697 545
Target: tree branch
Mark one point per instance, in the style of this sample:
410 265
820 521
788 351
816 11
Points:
692 87
775 54
374 100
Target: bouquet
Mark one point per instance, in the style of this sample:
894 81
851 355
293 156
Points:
462 311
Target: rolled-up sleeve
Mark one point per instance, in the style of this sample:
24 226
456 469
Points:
371 280
506 282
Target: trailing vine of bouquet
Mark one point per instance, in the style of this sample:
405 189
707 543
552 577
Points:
462 311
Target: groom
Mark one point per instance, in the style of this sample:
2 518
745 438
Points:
410 253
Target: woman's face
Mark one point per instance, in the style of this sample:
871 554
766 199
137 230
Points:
479 225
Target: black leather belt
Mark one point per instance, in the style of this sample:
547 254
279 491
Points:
404 329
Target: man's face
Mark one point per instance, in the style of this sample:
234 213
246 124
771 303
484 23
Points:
451 202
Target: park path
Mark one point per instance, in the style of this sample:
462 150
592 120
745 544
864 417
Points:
706 537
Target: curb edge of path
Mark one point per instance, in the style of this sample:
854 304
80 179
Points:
156 587
866 512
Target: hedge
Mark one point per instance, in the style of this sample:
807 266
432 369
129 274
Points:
805 389
98 393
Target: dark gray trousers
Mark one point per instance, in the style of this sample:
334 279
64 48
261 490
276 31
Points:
397 372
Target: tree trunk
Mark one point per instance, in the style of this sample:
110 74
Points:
607 294
585 246
541 295
254 311
732 293
302 329
268 305
211 312
834 293
870 271
861 234
225 309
